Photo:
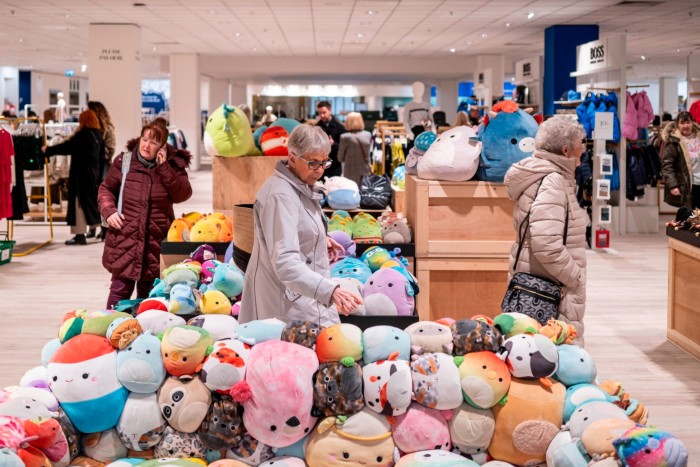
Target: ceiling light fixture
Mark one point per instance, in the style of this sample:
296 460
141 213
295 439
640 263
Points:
83 68
155 48
507 25
530 15
21 40
371 12
484 36
360 35
212 12
255 49
453 50
67 16
678 50
643 57
469 42
238 34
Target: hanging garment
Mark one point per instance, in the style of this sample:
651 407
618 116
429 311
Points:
645 112
636 174
629 126
6 176
28 151
695 110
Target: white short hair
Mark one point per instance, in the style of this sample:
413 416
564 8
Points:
308 139
559 132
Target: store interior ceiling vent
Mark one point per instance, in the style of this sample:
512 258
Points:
640 3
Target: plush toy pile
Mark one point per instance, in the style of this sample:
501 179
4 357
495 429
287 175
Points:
201 228
363 228
498 392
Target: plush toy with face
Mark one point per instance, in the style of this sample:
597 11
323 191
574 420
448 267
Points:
215 302
453 156
339 341
589 412
421 428
274 141
508 135
429 336
219 326
434 458
222 428
345 241
250 451
157 322
576 366
260 330
579 394
184 403
470 335
388 386
183 300
122 332
229 279
421 145
338 389
141 425
351 268
180 445
181 273
598 438
436 381
225 366
362 440
343 193
471 429
560 332
381 342
641 446
530 356
83 377
511 324
354 286
485 379
227 133
374 257
393 284
184 348
303 333
277 394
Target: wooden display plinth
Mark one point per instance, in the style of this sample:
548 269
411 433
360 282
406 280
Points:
683 290
236 180
398 199
459 219
460 288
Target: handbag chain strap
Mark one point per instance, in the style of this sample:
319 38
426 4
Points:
521 231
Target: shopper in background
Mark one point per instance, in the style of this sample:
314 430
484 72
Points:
333 129
681 162
86 148
537 184
288 273
474 117
155 180
462 119
110 147
247 112
353 149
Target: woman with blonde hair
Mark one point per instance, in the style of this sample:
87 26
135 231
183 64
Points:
353 149
86 148
462 119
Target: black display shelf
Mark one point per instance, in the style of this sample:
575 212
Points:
185 248
364 322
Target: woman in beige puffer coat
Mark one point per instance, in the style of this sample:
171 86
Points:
558 149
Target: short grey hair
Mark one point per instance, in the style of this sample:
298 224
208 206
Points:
557 133
308 139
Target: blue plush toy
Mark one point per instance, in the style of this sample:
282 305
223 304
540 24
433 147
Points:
379 342
579 394
342 193
182 300
140 365
352 268
508 135
576 366
260 330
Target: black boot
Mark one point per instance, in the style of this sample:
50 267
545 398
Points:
102 234
77 240
91 233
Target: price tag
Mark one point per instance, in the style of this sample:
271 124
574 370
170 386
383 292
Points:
603 128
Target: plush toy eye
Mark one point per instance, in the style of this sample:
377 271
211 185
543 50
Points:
330 399
166 354
452 136
371 282
484 367
391 284
326 379
340 272
379 458
177 396
86 375
273 428
513 141
184 359
346 455
129 348
167 412
215 419
55 378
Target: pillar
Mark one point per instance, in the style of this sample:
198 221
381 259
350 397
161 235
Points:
239 94
693 83
448 99
560 59
185 102
668 96
115 76
219 94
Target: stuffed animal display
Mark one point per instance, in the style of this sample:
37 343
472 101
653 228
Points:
202 228
211 391
454 156
227 133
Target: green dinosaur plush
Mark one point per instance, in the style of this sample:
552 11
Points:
228 134
344 224
367 231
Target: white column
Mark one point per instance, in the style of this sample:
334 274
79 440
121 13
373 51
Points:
239 95
374 102
492 67
668 95
185 101
9 87
219 94
693 80
115 76
447 99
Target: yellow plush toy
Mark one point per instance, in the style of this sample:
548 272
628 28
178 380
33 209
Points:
205 230
226 232
192 217
215 302
179 230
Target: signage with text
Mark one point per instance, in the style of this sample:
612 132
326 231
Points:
603 53
527 71
603 126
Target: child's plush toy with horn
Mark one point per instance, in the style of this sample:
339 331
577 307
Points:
227 133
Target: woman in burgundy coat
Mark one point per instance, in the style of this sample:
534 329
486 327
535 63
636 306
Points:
156 179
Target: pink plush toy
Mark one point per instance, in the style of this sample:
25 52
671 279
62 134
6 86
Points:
422 428
277 394
393 284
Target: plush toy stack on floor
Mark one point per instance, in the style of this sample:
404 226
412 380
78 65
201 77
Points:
119 390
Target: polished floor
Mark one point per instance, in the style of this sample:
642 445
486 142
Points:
625 317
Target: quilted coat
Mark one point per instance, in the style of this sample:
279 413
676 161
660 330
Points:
629 126
544 253
149 194
676 167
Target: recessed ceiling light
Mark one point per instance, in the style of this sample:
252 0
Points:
453 50
530 15
507 25
67 16
83 68
21 40
678 50
255 49
212 12
155 48
484 36
360 35
80 54
469 42
238 34
643 57
371 12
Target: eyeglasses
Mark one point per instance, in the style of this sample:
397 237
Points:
315 165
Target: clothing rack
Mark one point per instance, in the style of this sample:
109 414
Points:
392 131
593 88
48 214
637 86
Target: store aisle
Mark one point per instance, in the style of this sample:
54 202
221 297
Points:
625 321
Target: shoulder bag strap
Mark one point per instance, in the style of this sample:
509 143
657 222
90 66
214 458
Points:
526 223
126 164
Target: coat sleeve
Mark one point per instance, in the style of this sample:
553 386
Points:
668 166
108 192
547 221
342 149
110 143
65 148
277 216
175 181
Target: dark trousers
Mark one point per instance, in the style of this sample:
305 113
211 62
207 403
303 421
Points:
121 289
696 196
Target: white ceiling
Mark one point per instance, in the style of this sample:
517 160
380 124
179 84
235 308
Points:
53 35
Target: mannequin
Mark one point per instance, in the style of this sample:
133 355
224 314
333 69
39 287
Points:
416 112
269 117
60 108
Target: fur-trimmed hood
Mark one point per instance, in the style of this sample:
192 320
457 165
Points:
181 157
671 130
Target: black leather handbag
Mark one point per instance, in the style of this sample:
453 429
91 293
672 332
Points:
534 296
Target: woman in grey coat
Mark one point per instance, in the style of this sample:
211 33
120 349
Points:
288 275
544 185
353 150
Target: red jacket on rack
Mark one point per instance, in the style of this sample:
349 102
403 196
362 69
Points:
695 111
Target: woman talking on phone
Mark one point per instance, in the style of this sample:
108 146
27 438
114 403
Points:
137 198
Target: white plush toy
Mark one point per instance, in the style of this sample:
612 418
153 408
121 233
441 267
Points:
454 156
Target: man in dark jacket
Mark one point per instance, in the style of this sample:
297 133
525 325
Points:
334 129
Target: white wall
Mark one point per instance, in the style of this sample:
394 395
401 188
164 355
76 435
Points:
43 83
9 86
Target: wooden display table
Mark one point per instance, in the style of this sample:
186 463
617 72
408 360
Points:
683 290
236 180
457 219
463 232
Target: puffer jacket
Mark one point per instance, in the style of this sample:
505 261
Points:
288 275
544 253
645 112
149 194
629 126
676 166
